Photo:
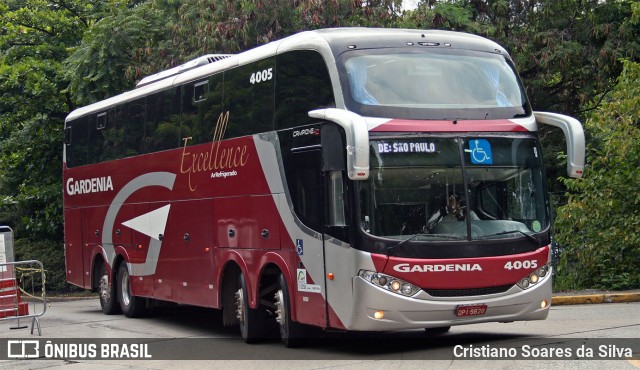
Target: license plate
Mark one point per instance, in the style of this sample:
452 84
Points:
473 310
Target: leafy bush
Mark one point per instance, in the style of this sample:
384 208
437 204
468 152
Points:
51 254
599 225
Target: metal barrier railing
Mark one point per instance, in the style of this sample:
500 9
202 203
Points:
19 282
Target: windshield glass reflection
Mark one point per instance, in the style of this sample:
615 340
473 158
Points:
454 188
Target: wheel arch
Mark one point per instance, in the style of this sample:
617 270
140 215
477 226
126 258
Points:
98 259
227 280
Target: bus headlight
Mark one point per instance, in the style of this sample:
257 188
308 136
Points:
534 277
389 283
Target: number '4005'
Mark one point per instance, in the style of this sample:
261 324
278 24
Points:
517 265
261 76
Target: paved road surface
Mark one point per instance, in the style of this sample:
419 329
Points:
175 329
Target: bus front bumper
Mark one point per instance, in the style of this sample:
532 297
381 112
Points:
401 313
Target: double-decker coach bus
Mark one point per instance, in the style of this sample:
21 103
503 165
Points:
349 179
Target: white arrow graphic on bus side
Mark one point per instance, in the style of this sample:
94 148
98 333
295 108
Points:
151 224
161 179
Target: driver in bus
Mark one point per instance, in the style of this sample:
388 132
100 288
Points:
453 211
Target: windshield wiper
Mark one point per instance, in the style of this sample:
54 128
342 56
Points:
529 236
402 242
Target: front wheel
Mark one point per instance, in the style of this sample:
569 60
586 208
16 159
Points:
131 305
107 291
292 333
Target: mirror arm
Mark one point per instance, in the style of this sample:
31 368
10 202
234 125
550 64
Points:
574 135
357 136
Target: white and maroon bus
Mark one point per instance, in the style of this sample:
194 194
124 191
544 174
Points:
349 179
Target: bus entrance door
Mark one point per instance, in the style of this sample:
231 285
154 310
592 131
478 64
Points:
336 224
306 188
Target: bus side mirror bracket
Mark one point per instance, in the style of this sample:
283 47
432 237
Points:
357 136
574 135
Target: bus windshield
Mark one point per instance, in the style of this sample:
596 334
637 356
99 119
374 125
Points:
431 83
464 188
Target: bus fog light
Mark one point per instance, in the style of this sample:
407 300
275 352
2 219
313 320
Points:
378 315
544 304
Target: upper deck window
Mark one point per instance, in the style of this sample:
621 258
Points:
431 84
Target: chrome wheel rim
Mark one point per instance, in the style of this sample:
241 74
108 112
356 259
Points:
240 306
280 311
104 288
126 297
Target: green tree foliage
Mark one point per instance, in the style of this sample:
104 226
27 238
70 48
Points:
104 64
599 226
33 43
34 37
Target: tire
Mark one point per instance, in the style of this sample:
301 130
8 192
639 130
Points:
291 333
107 291
437 331
251 321
130 305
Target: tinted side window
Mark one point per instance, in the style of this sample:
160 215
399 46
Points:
78 147
303 85
146 125
96 128
133 116
106 137
162 123
201 107
248 96
304 177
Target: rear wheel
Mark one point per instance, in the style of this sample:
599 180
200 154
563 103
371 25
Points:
131 305
252 322
292 333
107 291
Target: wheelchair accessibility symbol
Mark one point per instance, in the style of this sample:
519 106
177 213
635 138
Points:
480 150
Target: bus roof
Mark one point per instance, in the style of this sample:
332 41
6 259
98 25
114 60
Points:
333 40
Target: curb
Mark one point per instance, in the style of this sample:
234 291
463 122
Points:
596 298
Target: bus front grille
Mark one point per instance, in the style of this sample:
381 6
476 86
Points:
468 292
